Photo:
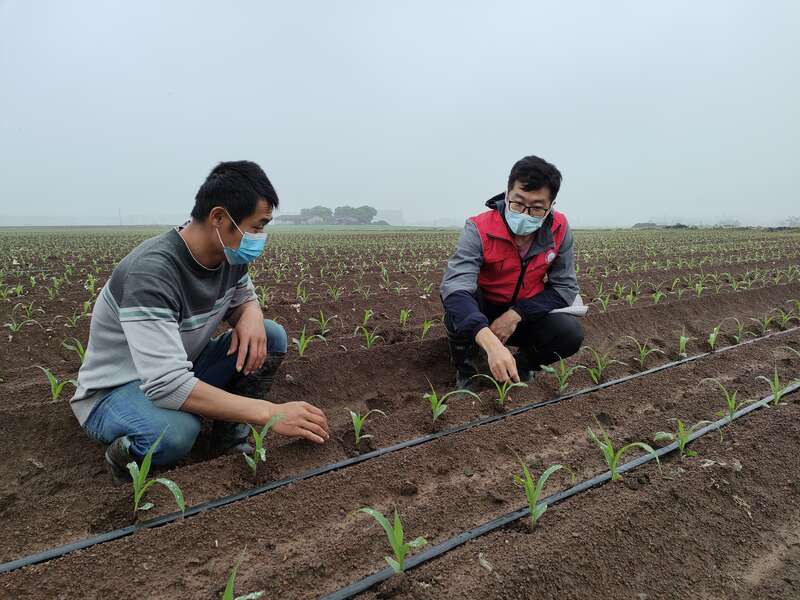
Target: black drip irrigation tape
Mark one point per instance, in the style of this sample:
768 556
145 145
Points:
363 585
116 534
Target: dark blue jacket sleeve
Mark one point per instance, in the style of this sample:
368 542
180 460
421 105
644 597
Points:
533 309
467 319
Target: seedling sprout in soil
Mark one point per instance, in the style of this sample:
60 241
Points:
643 351
712 337
438 407
503 388
141 483
562 373
602 361
774 385
359 421
682 341
259 452
370 337
612 456
76 346
228 593
395 535
731 404
681 435
56 386
533 490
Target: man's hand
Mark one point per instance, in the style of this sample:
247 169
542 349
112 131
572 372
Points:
501 361
249 338
301 419
505 325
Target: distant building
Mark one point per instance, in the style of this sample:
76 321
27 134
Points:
645 226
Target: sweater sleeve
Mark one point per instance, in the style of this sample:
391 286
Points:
148 314
460 283
244 291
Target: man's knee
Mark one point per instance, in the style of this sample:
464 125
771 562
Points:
180 433
277 340
569 336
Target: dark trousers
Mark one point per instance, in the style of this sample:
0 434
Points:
543 342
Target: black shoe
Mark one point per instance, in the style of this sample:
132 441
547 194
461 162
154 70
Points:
230 438
467 381
259 382
525 369
118 456
526 375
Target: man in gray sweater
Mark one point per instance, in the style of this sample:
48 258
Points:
151 364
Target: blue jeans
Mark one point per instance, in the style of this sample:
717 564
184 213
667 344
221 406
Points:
125 410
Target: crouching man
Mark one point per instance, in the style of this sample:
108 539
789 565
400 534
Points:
151 364
513 264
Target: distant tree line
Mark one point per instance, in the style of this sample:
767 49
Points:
341 215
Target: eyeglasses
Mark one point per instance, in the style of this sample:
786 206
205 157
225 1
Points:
533 211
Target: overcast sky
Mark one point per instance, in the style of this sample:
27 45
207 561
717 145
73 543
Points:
671 110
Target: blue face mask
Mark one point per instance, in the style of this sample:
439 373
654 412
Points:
521 223
250 247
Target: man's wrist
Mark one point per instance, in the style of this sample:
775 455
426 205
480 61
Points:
486 339
517 314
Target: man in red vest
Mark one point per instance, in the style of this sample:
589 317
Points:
513 265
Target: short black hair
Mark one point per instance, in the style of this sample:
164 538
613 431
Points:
237 186
534 173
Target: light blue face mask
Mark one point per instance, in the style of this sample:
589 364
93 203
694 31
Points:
521 223
250 247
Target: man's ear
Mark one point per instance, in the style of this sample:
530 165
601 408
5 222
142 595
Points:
216 217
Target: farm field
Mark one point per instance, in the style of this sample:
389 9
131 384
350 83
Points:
723 523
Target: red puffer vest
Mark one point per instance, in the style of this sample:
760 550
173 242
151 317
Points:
504 277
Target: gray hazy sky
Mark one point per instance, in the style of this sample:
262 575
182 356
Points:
672 110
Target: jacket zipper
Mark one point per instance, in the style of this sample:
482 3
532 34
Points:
523 266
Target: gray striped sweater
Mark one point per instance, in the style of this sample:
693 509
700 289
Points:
153 317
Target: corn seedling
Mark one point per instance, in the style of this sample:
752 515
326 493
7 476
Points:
503 388
740 333
259 452
228 593
426 325
533 491
359 421
782 318
682 341
775 386
680 435
15 326
323 324
562 373
303 341
56 386
612 456
603 300
731 404
712 337
438 407
141 483
404 314
602 361
370 337
763 323
334 292
76 346
367 316
395 535
643 351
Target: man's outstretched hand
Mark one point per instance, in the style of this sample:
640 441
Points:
301 419
501 361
